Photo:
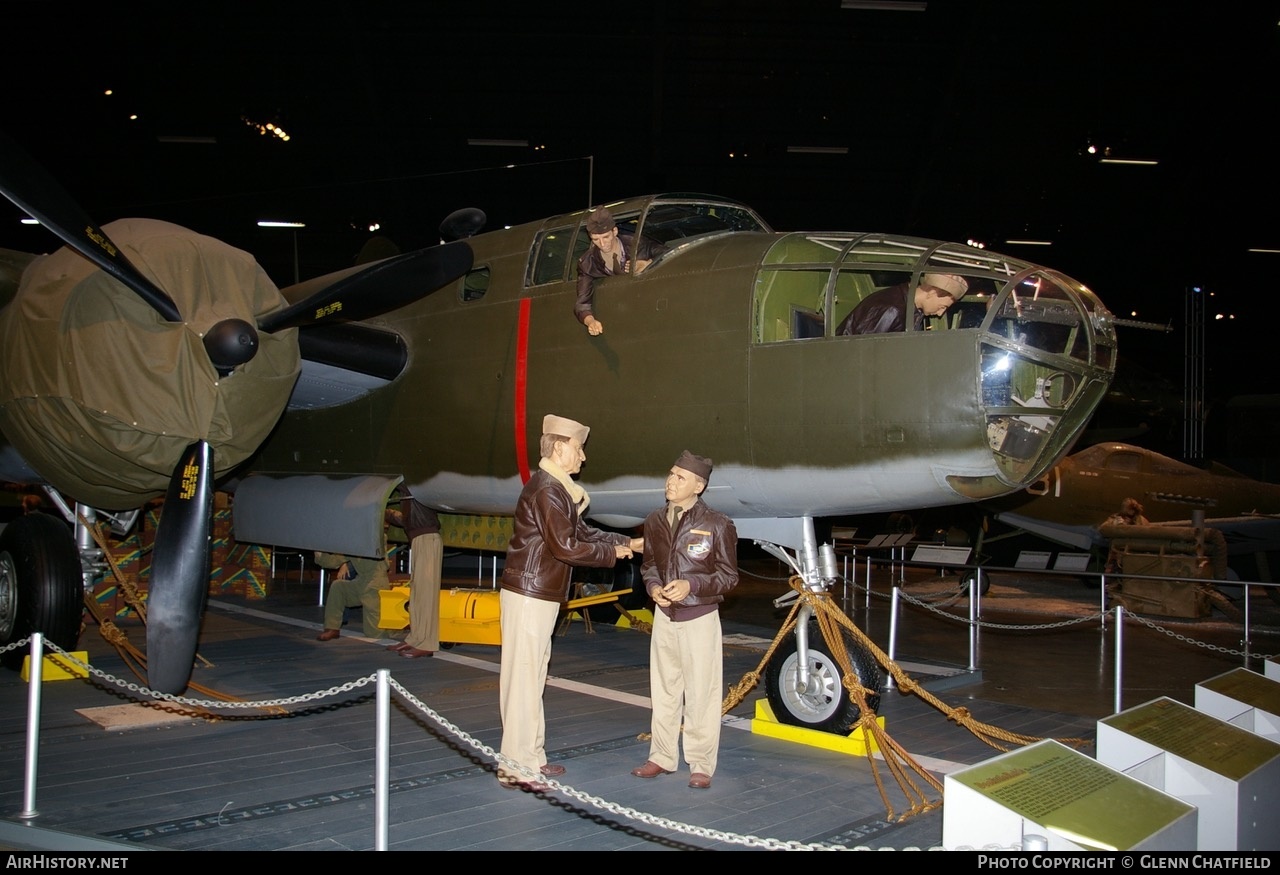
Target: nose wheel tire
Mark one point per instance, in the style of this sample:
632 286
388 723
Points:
822 703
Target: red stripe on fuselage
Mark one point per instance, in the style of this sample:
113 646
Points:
522 379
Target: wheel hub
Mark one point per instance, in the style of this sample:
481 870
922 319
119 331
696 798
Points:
819 697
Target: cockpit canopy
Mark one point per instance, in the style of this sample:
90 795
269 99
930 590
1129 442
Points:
674 220
1044 341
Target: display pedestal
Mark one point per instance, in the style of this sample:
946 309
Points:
1242 698
1077 804
1231 775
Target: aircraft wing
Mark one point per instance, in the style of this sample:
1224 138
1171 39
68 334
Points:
1252 533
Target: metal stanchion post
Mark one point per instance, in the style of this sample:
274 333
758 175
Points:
975 587
1102 595
1246 626
1119 698
893 636
381 784
34 689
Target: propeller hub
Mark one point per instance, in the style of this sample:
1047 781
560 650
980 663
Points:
230 343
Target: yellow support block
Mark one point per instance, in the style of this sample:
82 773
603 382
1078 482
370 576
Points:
642 615
55 668
857 743
395 608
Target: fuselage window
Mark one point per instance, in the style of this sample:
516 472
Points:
475 284
790 304
551 255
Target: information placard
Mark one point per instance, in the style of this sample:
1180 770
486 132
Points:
1242 698
1231 775
1068 797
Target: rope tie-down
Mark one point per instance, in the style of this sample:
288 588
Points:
906 771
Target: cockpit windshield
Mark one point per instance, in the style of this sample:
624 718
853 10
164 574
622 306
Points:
672 220
1045 345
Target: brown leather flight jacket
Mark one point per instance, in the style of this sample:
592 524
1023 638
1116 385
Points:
549 539
702 550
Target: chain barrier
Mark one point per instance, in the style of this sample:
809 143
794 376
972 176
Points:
750 841
767 577
1150 624
203 704
984 624
934 605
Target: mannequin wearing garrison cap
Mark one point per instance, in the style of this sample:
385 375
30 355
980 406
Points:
690 562
611 253
549 537
885 310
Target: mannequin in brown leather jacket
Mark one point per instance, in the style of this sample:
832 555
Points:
690 562
549 538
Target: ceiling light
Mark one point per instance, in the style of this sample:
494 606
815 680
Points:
883 5
820 150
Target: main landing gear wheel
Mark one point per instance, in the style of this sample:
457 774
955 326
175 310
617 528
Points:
824 704
41 589
966 581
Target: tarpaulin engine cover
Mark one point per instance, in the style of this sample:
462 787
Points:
101 395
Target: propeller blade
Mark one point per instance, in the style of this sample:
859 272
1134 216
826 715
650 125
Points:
26 183
180 571
379 288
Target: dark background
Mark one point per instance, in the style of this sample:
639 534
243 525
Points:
970 120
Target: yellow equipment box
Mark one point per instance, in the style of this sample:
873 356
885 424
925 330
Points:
470 616
467 616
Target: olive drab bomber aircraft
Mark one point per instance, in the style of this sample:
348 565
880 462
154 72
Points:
156 361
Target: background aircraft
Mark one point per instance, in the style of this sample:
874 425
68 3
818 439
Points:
1069 502
724 345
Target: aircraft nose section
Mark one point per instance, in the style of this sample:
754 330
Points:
1046 358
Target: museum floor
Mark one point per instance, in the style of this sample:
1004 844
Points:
300 775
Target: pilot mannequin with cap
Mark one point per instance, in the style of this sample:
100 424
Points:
885 311
610 253
549 537
690 562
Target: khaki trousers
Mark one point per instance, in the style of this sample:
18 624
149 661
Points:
686 685
527 627
360 594
426 555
